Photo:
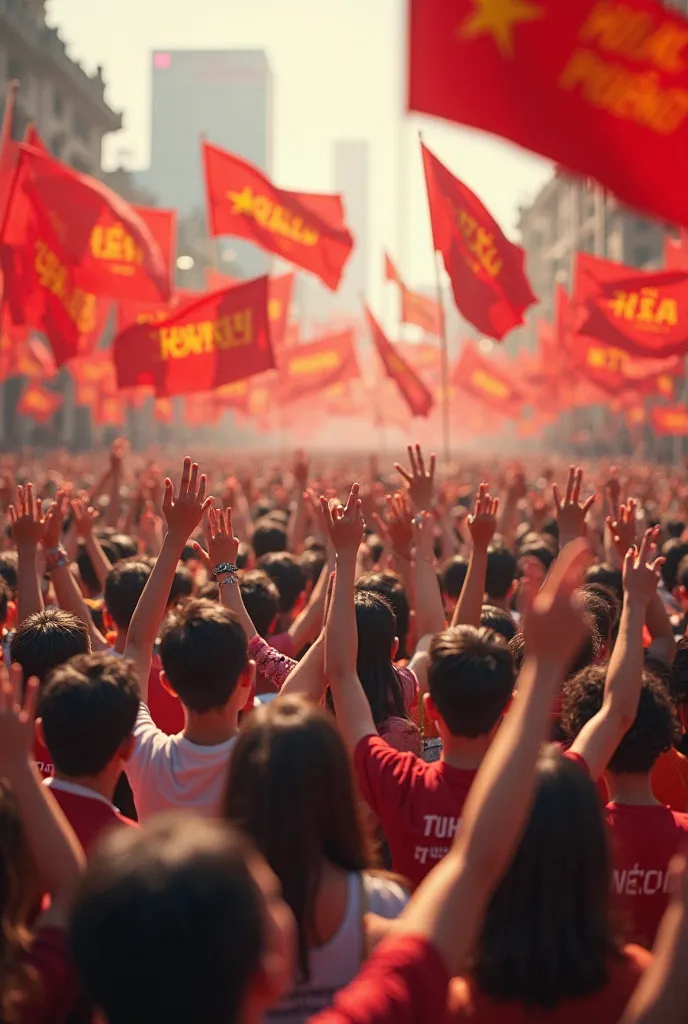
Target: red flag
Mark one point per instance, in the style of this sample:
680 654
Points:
670 420
210 341
414 391
317 365
420 310
244 203
553 76
642 312
279 291
484 379
391 272
675 253
490 287
38 402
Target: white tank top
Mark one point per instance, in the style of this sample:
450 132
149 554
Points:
338 962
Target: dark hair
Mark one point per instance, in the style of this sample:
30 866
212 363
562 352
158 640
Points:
19 891
376 626
673 552
678 679
602 607
376 546
470 678
261 599
180 890
501 572
210 590
9 563
608 576
87 572
286 573
288 761
88 709
390 586
498 621
587 653
182 584
452 576
4 601
123 588
126 545
204 651
540 550
673 528
313 562
653 731
268 536
47 639
547 934
682 574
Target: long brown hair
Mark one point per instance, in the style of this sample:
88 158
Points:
19 892
290 788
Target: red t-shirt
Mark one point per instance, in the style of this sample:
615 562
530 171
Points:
644 839
403 982
467 1002
53 1000
418 805
44 761
89 815
165 710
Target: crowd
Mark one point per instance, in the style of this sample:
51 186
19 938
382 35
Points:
276 746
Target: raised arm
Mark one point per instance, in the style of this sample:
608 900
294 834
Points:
428 597
220 562
54 847
298 520
599 738
448 906
482 525
66 588
308 622
85 517
183 513
118 453
571 511
28 528
354 717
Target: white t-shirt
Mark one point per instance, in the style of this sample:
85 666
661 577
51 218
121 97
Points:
172 773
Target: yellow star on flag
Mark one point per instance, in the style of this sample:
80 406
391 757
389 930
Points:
242 201
498 18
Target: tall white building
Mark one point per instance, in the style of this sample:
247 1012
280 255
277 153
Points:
225 96
351 165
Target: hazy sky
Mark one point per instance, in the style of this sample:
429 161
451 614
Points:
338 74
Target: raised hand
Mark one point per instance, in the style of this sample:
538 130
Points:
118 452
571 512
26 517
483 522
184 512
554 620
640 575
344 523
421 484
53 522
623 527
16 716
399 526
223 546
85 517
424 537
300 470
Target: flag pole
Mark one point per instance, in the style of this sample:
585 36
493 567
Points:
444 367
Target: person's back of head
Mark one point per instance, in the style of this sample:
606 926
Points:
452 577
204 654
5 597
87 574
607 575
588 653
547 935
673 553
602 606
268 536
377 647
87 713
124 585
261 599
470 680
673 528
286 807
126 546
9 565
182 585
285 571
498 620
390 586
313 561
501 574
47 639
653 731
208 939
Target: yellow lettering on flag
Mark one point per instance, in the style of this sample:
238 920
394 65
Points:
80 306
115 245
314 363
484 381
178 341
645 308
273 217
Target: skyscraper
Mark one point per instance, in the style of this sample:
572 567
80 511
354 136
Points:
352 180
225 96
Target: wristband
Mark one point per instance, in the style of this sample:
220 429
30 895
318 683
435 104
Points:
55 558
224 567
230 578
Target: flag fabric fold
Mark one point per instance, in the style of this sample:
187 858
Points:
313 367
416 395
484 379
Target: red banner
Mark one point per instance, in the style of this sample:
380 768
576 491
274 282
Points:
642 312
317 365
670 420
391 272
490 287
38 403
484 379
213 340
416 395
300 228
553 76
421 311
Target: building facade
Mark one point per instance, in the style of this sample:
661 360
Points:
351 174
67 106
226 97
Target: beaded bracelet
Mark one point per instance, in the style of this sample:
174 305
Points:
231 578
55 558
224 567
